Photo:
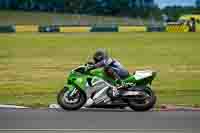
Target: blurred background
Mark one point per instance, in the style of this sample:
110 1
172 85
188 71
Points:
90 12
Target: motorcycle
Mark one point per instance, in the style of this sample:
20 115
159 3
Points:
83 84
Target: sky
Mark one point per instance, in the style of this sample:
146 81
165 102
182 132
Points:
163 3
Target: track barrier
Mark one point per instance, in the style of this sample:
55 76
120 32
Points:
156 29
67 29
177 28
51 28
132 28
7 29
95 28
104 28
26 28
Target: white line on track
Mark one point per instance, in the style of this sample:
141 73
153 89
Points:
94 129
12 106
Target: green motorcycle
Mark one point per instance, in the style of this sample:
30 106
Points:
83 84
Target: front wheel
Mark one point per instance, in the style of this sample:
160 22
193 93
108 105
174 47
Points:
146 104
71 103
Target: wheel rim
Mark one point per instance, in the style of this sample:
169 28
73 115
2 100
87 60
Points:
147 100
68 100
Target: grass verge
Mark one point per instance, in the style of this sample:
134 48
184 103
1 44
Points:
33 66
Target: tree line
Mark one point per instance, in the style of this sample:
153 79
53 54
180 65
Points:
102 7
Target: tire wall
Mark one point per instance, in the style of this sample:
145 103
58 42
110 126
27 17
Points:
7 29
26 28
177 28
95 28
66 29
132 28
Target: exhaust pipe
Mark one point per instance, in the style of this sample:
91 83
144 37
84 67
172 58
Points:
137 95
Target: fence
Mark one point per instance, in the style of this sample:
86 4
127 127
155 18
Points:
67 29
95 28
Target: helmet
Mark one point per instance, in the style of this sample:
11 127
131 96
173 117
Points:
100 55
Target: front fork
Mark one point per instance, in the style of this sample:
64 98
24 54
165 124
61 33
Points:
71 90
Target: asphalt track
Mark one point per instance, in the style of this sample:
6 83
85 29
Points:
97 119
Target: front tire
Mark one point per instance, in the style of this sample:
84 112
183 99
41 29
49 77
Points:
63 101
144 105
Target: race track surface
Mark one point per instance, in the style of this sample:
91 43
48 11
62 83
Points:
97 119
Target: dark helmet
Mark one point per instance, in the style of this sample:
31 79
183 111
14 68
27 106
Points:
100 55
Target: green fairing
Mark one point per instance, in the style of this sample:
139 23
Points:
75 80
79 78
129 79
101 74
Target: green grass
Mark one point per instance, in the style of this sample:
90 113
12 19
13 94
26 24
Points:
44 18
33 66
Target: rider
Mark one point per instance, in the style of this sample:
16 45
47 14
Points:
112 67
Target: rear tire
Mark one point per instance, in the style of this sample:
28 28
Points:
136 106
71 106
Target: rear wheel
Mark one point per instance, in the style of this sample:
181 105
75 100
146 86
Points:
144 105
71 103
